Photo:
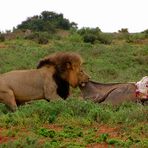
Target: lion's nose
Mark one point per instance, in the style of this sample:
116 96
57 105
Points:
89 77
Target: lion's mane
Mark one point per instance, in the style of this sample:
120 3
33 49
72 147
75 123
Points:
59 61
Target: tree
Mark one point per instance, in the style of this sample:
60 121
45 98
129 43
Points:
47 21
123 30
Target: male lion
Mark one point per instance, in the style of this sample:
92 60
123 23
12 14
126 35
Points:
52 78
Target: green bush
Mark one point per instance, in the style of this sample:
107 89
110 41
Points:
88 30
2 37
104 38
134 37
47 133
92 35
146 33
123 30
75 38
39 37
89 38
42 40
103 137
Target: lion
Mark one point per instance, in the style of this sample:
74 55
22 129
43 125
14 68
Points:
52 78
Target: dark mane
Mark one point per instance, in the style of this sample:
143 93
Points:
63 86
45 62
60 59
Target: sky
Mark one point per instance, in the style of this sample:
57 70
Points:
108 15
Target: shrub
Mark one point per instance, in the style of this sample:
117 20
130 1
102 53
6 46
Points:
74 37
146 33
123 30
42 40
89 38
115 141
2 37
88 30
103 137
39 37
104 38
47 133
134 37
92 35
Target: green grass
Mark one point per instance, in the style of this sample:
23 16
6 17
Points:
76 122
74 110
126 62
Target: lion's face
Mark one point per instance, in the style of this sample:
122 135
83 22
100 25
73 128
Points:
77 76
83 77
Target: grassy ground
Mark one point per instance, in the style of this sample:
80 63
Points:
76 123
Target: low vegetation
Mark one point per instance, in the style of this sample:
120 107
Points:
76 123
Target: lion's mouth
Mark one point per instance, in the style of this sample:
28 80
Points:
82 84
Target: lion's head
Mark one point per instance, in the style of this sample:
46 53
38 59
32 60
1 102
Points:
68 67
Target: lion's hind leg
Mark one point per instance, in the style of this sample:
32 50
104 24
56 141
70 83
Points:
7 97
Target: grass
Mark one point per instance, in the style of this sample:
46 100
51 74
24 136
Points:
76 123
74 110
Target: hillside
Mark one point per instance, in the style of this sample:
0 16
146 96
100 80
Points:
77 123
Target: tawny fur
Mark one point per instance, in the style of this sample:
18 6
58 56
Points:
51 79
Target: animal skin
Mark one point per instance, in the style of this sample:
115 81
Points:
52 78
111 93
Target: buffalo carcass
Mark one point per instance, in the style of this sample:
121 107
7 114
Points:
113 93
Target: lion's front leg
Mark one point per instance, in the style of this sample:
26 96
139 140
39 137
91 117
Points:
7 97
50 89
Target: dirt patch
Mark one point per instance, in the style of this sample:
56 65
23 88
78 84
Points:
5 139
2 46
53 127
112 131
16 134
97 145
